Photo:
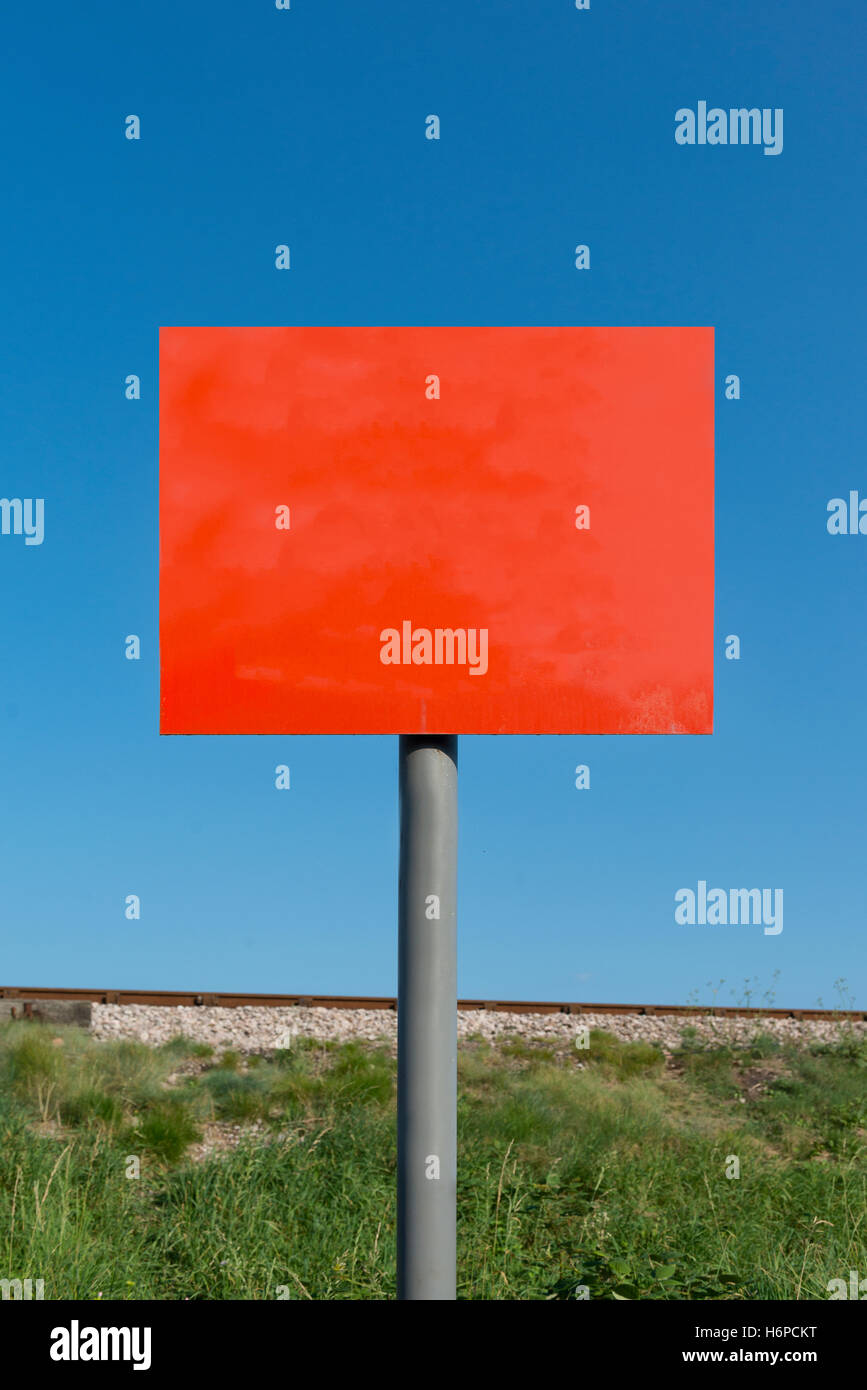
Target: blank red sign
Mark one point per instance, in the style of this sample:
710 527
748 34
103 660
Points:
436 530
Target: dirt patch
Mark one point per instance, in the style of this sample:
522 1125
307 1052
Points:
222 1136
51 1129
756 1080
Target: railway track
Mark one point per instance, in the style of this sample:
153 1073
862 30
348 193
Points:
348 1001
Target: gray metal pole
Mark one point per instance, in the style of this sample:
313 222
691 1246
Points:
427 1018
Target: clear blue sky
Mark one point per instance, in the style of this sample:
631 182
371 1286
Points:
307 127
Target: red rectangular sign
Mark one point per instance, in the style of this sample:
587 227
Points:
436 530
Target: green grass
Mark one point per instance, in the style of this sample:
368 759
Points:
601 1169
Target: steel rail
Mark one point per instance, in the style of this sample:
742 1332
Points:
229 1000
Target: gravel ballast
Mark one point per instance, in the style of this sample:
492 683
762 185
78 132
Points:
257 1029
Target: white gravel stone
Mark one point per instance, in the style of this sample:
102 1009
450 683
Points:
257 1029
